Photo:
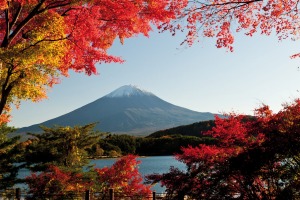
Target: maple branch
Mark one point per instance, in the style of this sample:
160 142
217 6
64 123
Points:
67 10
7 87
23 23
43 40
294 9
16 16
56 4
227 3
230 9
35 11
9 73
233 7
237 4
6 12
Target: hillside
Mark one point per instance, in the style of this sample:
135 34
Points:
194 129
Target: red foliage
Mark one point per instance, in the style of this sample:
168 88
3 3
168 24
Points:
221 18
56 183
123 177
90 26
235 134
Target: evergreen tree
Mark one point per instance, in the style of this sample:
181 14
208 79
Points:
61 146
10 152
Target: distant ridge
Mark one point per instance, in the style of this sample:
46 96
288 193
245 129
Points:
129 110
195 129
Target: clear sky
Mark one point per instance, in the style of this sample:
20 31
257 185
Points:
201 78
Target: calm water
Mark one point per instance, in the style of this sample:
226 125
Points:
149 165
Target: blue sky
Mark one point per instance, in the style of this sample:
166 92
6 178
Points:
201 78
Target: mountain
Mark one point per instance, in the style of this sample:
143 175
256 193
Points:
127 110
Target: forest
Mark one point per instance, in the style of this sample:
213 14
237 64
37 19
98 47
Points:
164 142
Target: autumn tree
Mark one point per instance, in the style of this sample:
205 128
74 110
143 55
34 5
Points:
254 158
123 176
41 40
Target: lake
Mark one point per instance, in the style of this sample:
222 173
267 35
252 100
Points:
149 165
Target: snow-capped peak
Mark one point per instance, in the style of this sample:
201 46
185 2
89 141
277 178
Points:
128 90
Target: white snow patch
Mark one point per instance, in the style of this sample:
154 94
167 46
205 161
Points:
128 90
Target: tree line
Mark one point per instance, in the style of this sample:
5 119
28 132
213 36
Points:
116 145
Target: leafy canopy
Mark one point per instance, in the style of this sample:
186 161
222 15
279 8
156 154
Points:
41 40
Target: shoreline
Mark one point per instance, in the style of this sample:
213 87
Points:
111 157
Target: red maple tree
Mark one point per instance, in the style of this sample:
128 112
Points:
123 176
255 157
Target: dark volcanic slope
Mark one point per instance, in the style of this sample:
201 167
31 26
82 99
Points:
128 110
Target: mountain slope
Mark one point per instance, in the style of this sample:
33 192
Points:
127 110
